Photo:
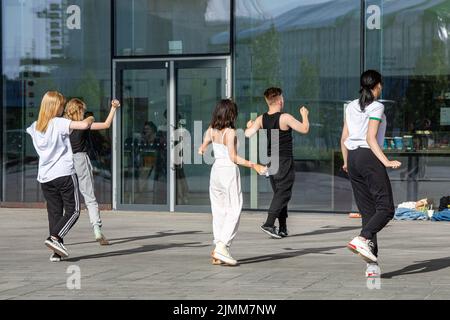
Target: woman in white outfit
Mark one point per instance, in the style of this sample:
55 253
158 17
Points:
225 182
75 110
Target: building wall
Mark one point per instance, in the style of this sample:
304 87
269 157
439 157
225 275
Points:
312 49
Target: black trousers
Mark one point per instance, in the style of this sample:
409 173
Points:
372 191
63 204
282 183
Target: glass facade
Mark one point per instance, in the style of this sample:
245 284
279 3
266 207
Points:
410 45
161 27
52 45
314 50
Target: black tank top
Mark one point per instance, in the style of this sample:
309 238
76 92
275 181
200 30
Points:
270 122
78 140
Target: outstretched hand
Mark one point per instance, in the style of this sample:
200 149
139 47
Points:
394 164
260 169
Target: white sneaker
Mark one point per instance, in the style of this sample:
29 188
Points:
97 232
221 253
373 270
55 257
99 237
57 247
62 246
361 246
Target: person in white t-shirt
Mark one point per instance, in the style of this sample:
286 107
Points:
56 173
361 143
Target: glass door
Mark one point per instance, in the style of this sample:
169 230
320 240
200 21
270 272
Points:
166 107
142 139
199 86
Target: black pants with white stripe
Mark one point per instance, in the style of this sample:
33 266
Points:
63 204
372 191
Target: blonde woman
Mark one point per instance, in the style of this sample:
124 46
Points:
75 110
56 172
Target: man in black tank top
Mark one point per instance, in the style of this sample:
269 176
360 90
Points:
280 151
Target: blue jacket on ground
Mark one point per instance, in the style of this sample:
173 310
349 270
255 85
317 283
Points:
410 214
443 215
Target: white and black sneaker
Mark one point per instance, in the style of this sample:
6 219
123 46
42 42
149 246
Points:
271 231
57 247
55 257
283 232
363 248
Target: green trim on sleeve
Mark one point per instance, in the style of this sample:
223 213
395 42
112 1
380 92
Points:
374 118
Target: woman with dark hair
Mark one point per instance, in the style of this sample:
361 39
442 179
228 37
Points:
225 182
365 162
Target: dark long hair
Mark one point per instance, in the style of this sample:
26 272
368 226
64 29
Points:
224 115
369 79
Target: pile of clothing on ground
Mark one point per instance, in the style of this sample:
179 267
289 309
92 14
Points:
423 210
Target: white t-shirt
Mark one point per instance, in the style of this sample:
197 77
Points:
358 124
54 150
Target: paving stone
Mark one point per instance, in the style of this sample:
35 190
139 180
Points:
157 255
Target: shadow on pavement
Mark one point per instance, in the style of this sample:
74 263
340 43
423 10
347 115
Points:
142 249
160 234
420 267
325 230
289 254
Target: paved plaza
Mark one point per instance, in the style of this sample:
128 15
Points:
166 256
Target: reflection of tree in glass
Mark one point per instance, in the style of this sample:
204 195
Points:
90 91
308 80
426 90
266 66
89 88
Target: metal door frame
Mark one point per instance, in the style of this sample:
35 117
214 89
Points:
155 63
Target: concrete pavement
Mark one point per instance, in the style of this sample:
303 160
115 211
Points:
166 256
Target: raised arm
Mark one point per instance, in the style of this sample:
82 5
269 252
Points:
105 125
301 127
253 127
375 147
81 125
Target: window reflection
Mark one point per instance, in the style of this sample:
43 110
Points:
144 136
311 49
41 53
171 27
412 50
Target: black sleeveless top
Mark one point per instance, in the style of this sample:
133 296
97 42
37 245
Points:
78 140
270 122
